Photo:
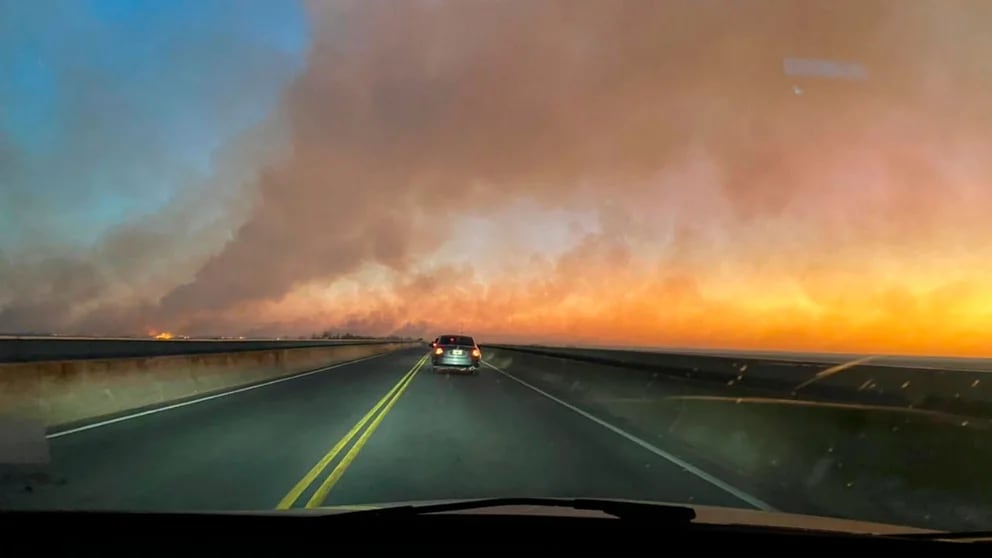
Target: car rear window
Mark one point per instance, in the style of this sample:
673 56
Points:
456 340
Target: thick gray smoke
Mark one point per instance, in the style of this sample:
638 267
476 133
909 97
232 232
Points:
112 187
410 115
413 112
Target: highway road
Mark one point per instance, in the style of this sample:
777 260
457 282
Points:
383 429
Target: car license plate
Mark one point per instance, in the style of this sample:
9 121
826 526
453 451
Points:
457 352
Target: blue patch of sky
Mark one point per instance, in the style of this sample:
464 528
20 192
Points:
107 106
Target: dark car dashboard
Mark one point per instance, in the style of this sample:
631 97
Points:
103 533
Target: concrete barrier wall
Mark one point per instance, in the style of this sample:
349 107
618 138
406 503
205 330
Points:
961 391
66 391
31 349
889 463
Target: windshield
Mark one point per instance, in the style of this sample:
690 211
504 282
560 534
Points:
286 254
456 340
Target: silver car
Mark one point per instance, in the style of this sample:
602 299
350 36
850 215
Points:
458 352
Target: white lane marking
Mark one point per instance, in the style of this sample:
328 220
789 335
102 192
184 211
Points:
834 370
206 398
737 493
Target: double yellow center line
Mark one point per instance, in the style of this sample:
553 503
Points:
375 414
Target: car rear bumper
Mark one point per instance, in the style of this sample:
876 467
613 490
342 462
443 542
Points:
451 361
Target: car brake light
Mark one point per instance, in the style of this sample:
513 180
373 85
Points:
476 353
439 351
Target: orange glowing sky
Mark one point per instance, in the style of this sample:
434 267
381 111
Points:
552 171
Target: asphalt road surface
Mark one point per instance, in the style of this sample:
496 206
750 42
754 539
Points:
385 429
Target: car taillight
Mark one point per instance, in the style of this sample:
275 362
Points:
476 353
439 351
